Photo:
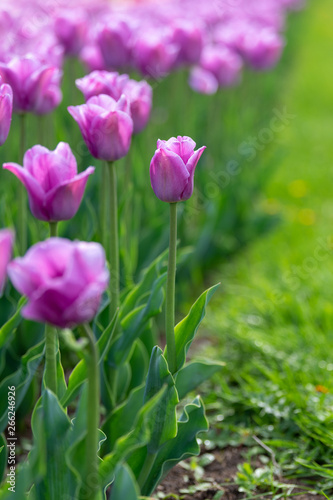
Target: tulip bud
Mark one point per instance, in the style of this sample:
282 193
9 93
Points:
172 169
106 126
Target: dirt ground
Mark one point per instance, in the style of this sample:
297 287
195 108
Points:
221 474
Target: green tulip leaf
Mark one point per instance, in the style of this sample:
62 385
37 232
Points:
139 363
21 379
150 275
79 374
193 374
124 486
122 419
50 425
192 422
185 330
165 420
138 436
134 323
10 327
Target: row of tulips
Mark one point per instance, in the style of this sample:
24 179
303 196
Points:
65 282
124 390
151 38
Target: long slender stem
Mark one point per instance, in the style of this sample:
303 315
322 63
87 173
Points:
22 221
146 469
91 487
104 204
114 242
170 291
53 229
51 343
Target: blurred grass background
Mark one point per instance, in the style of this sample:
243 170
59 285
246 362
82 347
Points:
273 324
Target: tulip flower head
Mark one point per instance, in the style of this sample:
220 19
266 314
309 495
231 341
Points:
63 281
6 109
139 94
106 126
172 168
6 248
203 81
36 87
54 187
102 82
113 40
71 27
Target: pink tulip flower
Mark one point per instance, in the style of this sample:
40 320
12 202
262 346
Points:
63 281
114 40
70 28
172 168
106 126
36 87
54 187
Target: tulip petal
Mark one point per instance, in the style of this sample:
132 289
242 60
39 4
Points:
35 191
169 175
191 165
42 263
63 201
112 134
87 305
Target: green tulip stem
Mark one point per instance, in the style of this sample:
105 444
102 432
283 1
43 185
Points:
114 242
104 205
170 292
51 347
22 204
146 469
53 229
92 486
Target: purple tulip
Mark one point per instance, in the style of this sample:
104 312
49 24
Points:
139 94
106 126
36 87
172 168
223 63
6 248
102 82
6 109
113 41
262 49
55 189
70 27
203 81
63 280
91 57
155 54
189 38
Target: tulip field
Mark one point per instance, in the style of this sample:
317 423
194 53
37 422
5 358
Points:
166 270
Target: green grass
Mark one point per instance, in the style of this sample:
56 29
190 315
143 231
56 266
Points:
273 324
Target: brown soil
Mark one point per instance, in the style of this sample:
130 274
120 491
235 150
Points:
221 474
